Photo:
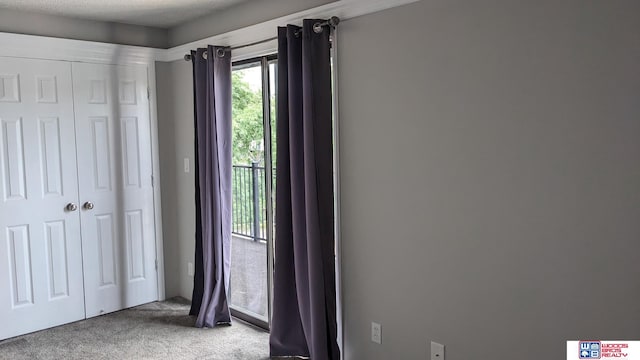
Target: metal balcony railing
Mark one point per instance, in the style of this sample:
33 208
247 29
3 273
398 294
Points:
249 206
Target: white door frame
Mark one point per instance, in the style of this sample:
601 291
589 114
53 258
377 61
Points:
46 48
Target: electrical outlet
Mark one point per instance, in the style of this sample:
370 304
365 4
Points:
437 351
376 333
190 269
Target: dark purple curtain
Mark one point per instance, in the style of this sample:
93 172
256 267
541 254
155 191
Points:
212 101
304 309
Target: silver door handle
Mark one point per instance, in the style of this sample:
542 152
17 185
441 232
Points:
88 205
71 207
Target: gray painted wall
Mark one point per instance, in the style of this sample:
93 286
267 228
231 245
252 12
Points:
237 17
175 136
29 23
490 177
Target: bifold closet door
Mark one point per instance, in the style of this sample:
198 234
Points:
116 193
40 248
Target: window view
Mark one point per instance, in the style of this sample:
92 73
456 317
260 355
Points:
252 228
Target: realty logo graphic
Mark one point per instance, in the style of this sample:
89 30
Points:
590 349
604 349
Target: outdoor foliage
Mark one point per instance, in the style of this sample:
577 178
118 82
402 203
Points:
247 126
247 118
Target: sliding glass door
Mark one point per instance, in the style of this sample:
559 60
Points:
252 189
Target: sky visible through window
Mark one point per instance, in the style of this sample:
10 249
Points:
253 76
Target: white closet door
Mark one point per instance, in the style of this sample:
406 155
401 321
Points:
40 248
116 195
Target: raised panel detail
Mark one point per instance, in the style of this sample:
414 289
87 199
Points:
101 153
9 88
106 249
47 89
20 272
135 242
13 159
131 151
97 92
56 241
127 91
50 156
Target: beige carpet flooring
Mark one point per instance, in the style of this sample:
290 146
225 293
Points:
160 330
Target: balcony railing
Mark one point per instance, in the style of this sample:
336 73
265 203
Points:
249 205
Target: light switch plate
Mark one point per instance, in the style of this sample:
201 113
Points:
190 269
187 166
437 351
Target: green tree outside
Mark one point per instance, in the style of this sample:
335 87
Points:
247 118
247 127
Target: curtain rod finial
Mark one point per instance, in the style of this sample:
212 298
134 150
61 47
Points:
187 57
332 22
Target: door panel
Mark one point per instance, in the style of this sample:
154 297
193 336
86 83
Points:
51 156
252 208
56 244
13 158
114 157
106 250
40 246
20 267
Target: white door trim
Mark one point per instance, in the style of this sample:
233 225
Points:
50 48
155 157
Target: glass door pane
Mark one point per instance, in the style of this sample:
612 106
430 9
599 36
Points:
249 295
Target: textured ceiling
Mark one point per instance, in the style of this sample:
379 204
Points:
158 13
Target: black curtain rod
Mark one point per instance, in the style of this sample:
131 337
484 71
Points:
317 28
